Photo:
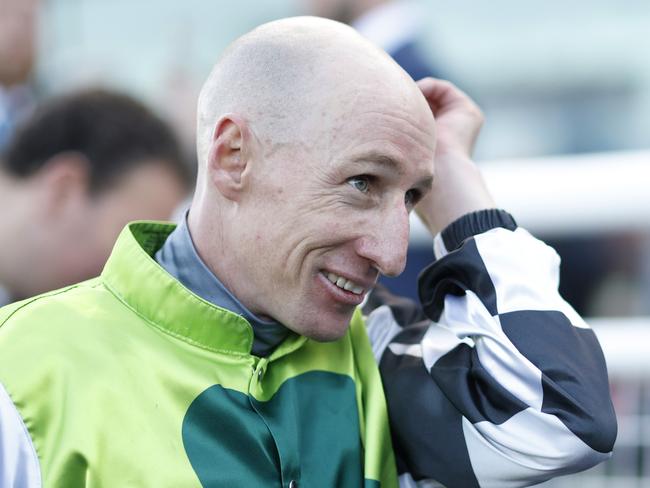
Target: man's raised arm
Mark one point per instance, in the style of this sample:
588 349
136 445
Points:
496 381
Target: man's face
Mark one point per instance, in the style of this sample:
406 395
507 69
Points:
66 233
84 240
326 218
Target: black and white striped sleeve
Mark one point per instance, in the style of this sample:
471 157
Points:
495 381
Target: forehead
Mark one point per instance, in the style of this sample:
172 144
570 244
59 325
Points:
397 136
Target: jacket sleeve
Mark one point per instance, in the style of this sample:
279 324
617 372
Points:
495 381
19 466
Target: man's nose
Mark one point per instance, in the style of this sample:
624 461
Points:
386 241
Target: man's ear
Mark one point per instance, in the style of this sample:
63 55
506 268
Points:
228 158
63 183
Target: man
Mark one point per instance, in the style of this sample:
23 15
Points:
77 171
232 351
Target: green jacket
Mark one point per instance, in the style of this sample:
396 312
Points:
129 379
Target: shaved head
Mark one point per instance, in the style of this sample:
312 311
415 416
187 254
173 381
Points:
293 70
313 147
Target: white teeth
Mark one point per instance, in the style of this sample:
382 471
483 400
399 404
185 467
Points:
345 284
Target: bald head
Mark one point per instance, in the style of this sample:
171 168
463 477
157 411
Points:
285 76
313 147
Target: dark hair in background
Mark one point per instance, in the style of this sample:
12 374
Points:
113 131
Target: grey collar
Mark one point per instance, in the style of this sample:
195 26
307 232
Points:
179 258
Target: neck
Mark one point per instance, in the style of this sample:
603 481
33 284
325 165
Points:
207 232
218 236
178 256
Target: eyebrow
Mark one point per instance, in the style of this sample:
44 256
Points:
384 160
379 159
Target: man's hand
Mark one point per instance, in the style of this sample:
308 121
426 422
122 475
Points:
458 186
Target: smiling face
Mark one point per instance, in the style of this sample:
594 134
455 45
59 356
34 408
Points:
327 219
305 192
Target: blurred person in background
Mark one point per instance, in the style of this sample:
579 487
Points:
393 25
80 168
18 19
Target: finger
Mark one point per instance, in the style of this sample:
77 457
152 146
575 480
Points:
443 95
441 90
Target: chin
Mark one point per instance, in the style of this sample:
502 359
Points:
326 335
331 331
319 318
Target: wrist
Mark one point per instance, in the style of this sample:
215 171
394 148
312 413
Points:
469 225
458 189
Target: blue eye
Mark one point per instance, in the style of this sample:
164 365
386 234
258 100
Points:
361 183
411 198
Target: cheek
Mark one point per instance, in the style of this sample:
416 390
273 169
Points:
285 230
112 219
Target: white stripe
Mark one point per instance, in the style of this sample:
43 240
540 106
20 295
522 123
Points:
528 448
439 249
525 273
437 342
381 328
414 350
19 466
466 316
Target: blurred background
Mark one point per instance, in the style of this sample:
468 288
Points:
565 88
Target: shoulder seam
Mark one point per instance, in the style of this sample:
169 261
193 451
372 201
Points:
38 297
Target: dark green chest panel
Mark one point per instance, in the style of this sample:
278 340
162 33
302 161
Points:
307 432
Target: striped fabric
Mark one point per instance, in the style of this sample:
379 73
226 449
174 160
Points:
496 381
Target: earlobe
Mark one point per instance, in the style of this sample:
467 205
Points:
227 159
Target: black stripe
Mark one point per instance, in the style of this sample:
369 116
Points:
426 428
574 374
472 389
455 273
413 334
405 311
475 223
